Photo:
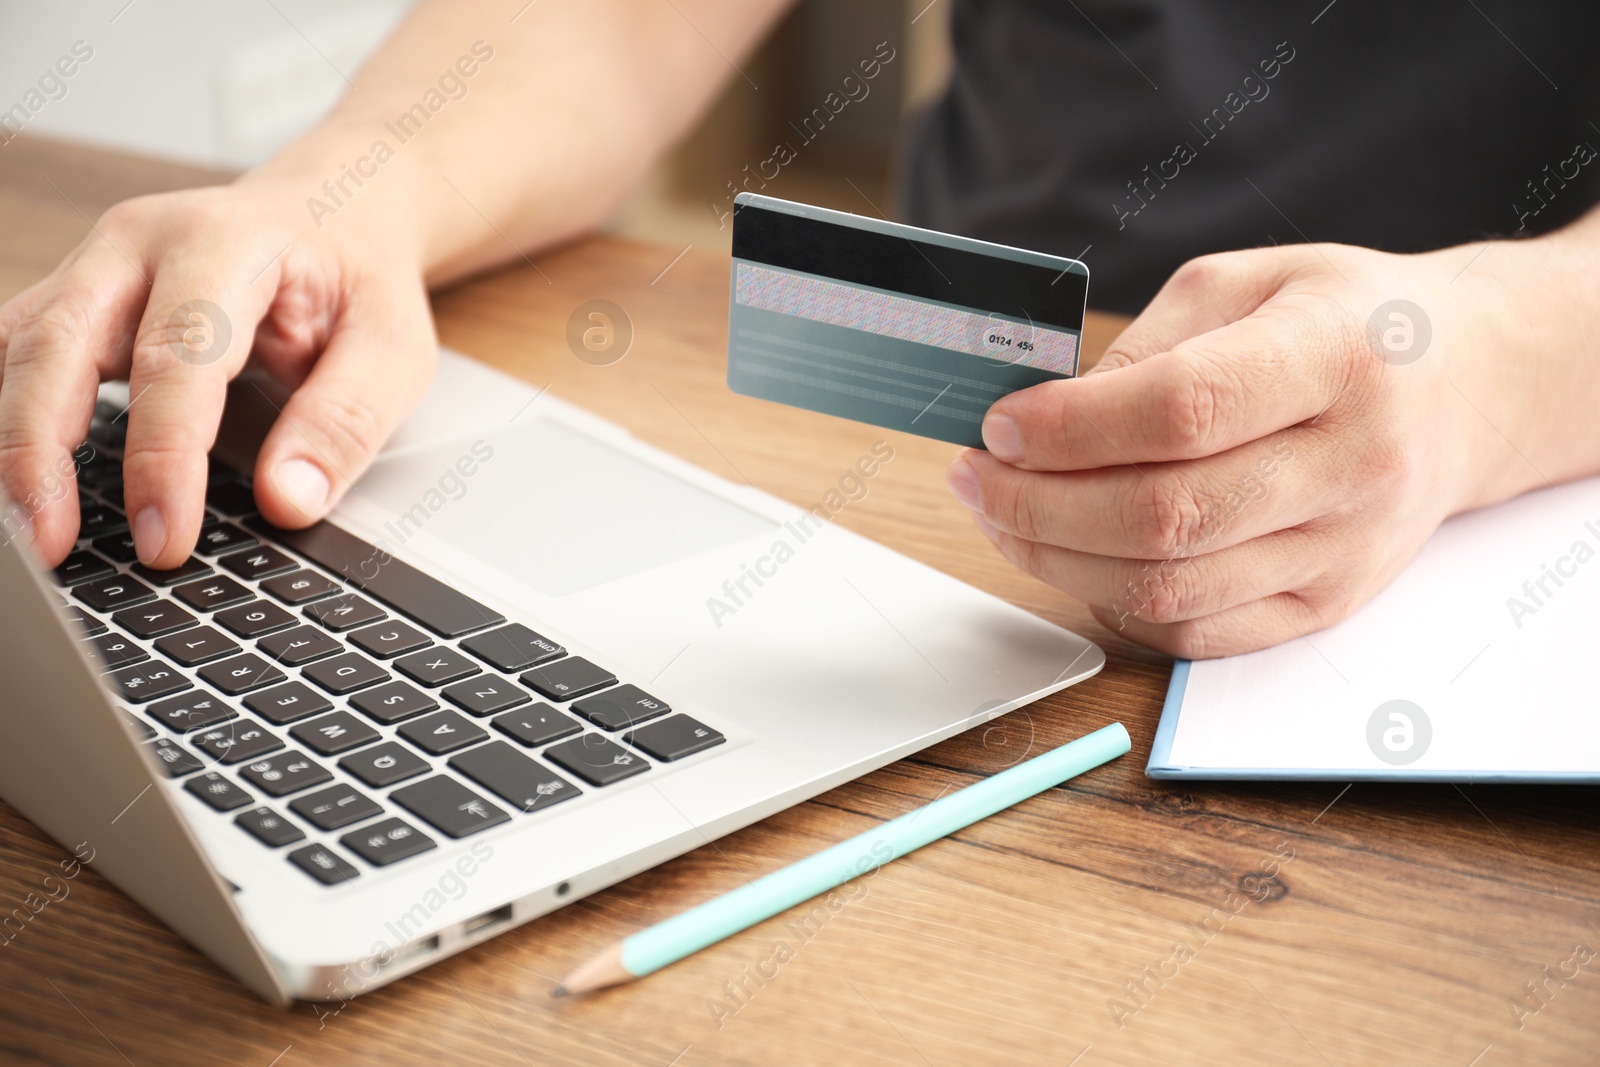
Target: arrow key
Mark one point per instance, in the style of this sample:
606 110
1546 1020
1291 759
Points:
384 842
336 806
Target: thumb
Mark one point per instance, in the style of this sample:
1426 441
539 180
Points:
364 383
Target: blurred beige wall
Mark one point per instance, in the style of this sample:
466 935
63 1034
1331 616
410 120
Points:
792 126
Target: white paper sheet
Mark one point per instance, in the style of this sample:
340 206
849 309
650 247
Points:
1492 631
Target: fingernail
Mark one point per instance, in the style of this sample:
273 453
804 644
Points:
984 525
963 482
304 485
149 533
1002 437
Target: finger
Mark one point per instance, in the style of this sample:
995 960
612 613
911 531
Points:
1173 590
57 350
374 370
12 314
1159 511
1248 379
1204 294
194 337
1258 624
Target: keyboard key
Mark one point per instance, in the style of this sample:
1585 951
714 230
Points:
219 473
513 648
299 645
389 639
114 593
256 563
436 666
385 764
90 625
674 738
97 520
346 673
596 759
333 734
116 547
231 498
216 790
449 806
442 732
343 613
283 773
319 861
270 828
568 678
174 760
223 537
141 729
524 783
626 705
193 647
486 694
297 587
392 702
385 842
235 742
255 619
110 434
336 806
110 491
95 466
286 703
209 594
146 681
82 566
191 711
536 725
421 597
183 572
154 619
241 674
114 650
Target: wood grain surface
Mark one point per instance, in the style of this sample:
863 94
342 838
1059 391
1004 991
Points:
1115 920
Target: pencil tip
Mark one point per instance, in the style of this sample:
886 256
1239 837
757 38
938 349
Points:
559 991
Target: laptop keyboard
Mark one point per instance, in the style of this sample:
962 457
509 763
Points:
336 702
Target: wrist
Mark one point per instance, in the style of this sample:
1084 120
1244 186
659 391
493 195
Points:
1524 360
335 181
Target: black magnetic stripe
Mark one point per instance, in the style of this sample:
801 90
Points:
901 265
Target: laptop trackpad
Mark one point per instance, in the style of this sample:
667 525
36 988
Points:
552 507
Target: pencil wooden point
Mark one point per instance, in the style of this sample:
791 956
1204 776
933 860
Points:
601 970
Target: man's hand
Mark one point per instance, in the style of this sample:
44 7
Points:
537 127
339 315
1281 430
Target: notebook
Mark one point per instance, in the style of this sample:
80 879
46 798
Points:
1475 664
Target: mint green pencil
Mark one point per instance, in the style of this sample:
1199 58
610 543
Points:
670 941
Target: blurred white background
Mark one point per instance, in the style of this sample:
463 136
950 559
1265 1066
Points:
227 83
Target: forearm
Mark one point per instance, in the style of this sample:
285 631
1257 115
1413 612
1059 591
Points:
537 128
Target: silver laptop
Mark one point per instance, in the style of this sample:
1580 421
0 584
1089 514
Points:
527 657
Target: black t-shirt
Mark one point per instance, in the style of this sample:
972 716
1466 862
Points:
1152 131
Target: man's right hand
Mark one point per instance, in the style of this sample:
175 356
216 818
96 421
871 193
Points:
338 314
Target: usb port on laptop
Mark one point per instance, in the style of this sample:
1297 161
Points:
478 923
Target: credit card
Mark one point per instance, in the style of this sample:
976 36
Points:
893 325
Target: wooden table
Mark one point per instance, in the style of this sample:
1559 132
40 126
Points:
1115 920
